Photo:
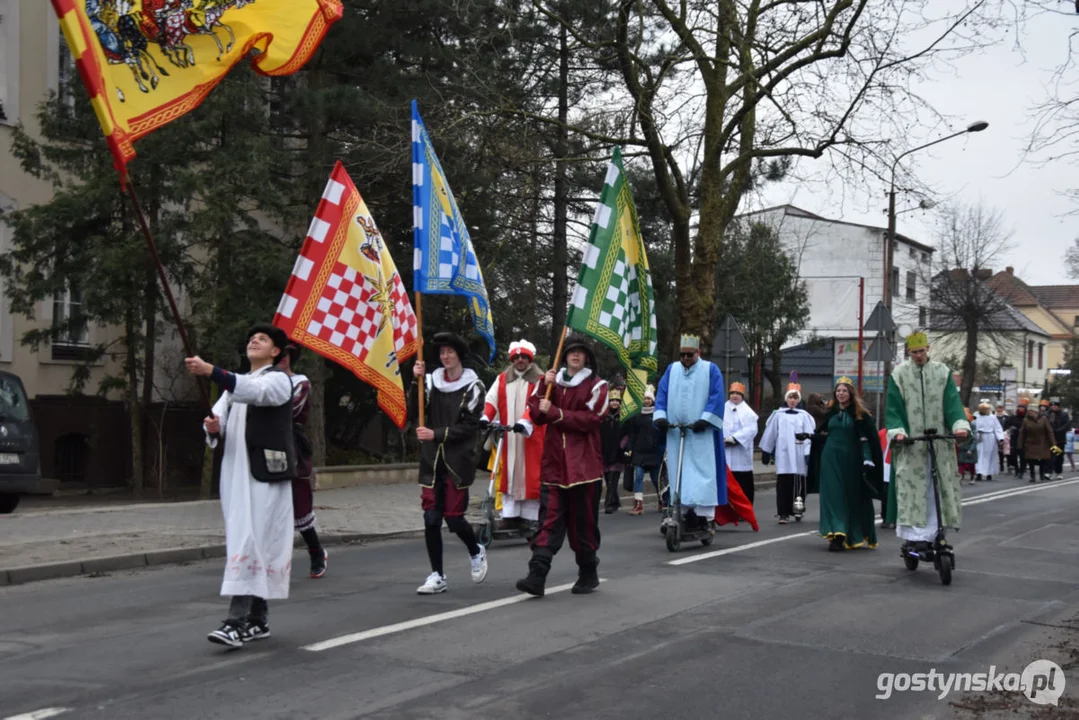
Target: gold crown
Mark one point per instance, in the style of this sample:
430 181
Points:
846 380
917 340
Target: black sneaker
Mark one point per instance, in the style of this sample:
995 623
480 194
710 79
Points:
230 634
319 559
254 630
533 585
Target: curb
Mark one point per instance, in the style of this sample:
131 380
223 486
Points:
154 558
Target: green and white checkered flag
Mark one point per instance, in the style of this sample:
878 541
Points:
613 301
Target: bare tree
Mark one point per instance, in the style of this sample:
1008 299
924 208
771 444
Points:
1054 138
963 304
722 95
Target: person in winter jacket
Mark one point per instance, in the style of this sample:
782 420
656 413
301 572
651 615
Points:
1069 447
1037 442
644 445
614 453
1061 423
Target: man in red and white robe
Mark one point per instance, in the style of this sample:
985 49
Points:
518 481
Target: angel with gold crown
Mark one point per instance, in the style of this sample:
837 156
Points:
846 468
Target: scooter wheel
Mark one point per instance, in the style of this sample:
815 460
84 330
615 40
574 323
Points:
911 562
707 540
944 567
797 518
674 539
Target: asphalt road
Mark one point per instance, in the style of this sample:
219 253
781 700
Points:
777 627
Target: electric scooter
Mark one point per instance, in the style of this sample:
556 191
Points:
939 552
487 529
674 526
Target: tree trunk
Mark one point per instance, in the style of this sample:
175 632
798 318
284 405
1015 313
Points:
970 365
316 420
149 359
560 255
134 406
206 482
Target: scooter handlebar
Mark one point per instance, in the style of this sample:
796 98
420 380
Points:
911 439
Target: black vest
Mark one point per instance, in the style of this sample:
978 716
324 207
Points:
271 448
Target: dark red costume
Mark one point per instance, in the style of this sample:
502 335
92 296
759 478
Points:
571 473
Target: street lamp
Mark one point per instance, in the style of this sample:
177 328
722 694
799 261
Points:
889 250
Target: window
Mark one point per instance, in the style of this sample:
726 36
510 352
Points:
925 257
895 282
923 317
1030 353
73 335
911 285
1041 348
912 252
9 61
66 76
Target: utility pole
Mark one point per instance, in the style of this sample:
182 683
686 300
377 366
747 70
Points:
889 242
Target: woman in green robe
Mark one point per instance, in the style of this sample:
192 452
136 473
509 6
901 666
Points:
845 469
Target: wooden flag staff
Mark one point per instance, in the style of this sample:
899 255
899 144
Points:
423 381
557 359
165 286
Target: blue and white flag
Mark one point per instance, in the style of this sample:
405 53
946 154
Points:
444 261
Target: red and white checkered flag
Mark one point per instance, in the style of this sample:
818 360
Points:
345 299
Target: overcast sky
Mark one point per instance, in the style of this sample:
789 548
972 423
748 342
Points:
1000 86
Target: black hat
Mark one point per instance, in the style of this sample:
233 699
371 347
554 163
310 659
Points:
276 335
454 341
294 352
579 343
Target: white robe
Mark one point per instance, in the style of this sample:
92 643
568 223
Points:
989 434
791 455
513 447
740 425
258 515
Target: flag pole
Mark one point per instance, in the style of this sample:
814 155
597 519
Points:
165 285
557 359
423 381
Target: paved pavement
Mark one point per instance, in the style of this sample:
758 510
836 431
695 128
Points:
102 534
760 625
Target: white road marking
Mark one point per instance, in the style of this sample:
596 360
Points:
1020 491
40 714
424 621
737 548
988 497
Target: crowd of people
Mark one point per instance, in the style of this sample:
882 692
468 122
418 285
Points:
554 440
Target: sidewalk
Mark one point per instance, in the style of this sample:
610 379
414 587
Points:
44 542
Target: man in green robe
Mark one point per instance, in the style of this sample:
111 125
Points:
921 396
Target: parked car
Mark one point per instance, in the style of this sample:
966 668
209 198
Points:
20 458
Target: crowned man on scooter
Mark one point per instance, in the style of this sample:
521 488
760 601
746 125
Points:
692 393
926 388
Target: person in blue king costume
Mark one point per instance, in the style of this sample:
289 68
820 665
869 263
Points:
692 393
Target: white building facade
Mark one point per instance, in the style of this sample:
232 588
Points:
842 265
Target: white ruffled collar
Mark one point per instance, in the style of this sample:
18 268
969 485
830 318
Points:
438 379
574 381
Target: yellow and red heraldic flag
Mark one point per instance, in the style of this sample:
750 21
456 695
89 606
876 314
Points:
147 62
345 299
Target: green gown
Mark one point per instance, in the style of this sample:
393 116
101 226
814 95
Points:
846 497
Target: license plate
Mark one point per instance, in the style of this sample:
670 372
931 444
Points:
9 459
